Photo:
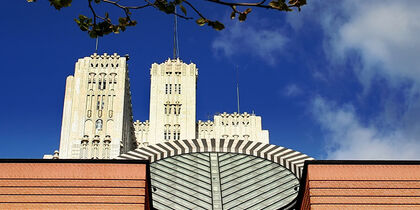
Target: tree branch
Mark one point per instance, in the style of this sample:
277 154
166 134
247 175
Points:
127 7
259 4
195 10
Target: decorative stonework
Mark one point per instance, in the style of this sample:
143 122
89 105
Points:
97 115
172 113
237 126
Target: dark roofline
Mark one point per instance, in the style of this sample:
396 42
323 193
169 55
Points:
344 162
362 162
147 162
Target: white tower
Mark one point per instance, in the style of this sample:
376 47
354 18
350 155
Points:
97 114
172 101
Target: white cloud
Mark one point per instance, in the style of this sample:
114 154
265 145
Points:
348 138
252 39
292 90
384 33
378 41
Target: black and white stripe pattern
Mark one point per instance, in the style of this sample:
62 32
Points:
288 158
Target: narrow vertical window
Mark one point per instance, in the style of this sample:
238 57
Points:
169 135
165 135
98 125
166 88
170 88
179 89
104 85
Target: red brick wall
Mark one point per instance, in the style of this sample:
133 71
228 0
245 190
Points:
73 186
362 186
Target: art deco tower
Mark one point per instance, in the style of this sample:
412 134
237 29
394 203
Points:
97 114
172 101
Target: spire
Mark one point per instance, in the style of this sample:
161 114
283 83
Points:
176 48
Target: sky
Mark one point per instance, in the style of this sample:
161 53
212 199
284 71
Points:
338 80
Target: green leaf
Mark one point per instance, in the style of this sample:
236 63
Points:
242 17
132 23
82 18
280 5
247 11
201 21
93 34
122 21
216 25
183 9
58 4
170 9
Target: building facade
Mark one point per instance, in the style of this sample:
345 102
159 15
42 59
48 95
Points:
224 163
97 114
172 113
233 126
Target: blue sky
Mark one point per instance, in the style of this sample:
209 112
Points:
339 80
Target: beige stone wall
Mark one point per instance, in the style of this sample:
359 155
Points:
172 101
97 114
141 130
233 126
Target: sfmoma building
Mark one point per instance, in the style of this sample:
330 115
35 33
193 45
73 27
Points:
224 163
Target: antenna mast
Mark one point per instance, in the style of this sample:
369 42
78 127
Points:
237 87
96 48
176 48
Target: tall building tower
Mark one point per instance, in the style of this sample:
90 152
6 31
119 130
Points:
172 101
97 115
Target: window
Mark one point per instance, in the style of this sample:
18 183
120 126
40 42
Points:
169 135
170 88
179 89
165 135
177 135
166 88
98 125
